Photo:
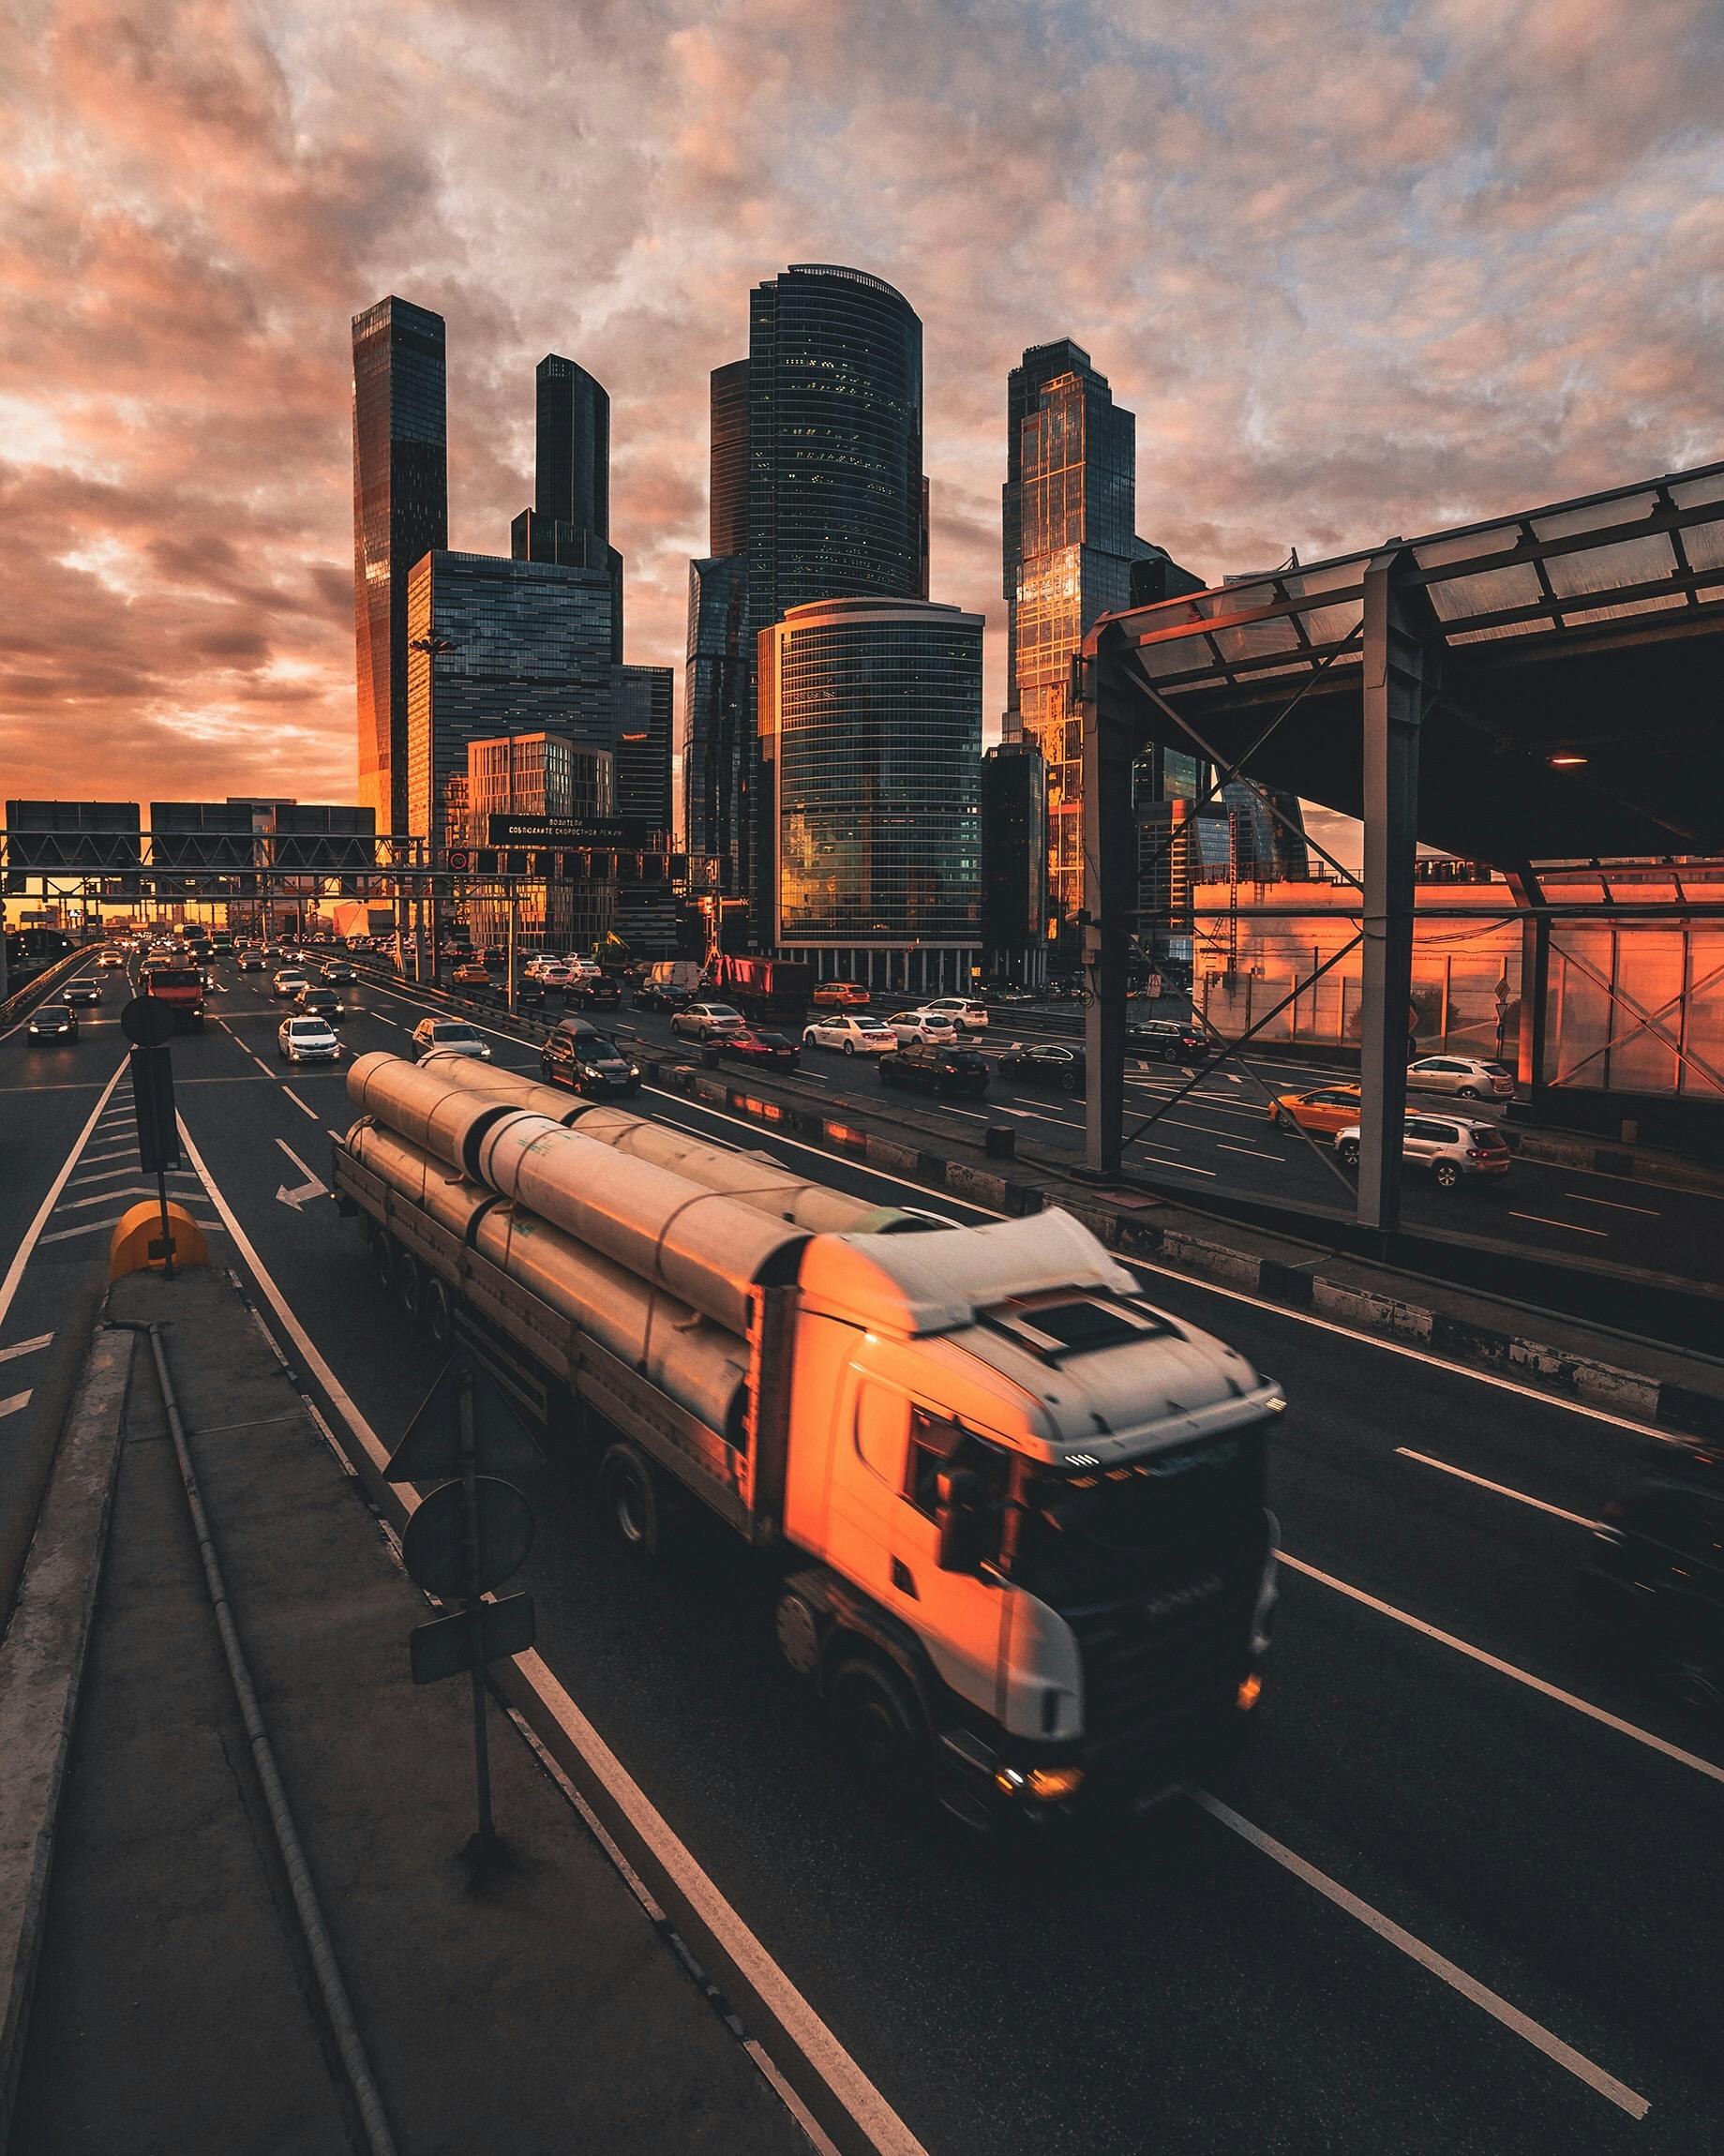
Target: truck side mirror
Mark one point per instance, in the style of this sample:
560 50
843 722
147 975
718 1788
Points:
968 1516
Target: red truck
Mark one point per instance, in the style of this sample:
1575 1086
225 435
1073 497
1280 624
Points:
181 988
767 991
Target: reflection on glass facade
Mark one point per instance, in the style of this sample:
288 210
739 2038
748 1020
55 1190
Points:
500 645
1014 863
571 471
645 699
539 775
718 719
536 538
728 497
870 719
400 513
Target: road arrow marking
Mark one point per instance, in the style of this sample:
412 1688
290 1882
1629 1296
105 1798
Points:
310 1188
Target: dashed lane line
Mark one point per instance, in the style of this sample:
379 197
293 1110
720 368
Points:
18 1400
26 1347
299 1103
1545 1220
33 1234
1483 1482
1711 1771
1481 1996
1615 1205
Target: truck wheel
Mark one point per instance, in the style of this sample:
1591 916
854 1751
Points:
439 1313
409 1287
633 1511
383 1261
881 1731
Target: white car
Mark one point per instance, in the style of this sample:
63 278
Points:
966 1014
854 1035
289 981
449 1036
111 958
923 1026
306 1040
1455 1149
1465 1077
705 1021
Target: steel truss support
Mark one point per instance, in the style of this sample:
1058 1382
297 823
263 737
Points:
1399 671
1109 908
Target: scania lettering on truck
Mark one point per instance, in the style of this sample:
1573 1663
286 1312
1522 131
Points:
181 988
1016 1513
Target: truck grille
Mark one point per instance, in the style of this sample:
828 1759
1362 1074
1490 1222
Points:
1158 1657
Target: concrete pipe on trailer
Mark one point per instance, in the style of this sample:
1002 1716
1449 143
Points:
415 1100
420 1176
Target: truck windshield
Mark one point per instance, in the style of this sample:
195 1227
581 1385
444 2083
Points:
175 977
1086 1538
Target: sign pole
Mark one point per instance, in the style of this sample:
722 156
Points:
166 1233
476 1622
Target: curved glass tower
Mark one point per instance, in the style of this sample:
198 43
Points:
837 504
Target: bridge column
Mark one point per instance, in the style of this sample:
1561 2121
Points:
1110 901
1395 696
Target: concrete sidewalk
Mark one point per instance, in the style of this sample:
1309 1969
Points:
176 2005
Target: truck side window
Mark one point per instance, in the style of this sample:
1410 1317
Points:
934 1445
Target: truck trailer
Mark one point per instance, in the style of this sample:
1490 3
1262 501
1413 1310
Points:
1016 1513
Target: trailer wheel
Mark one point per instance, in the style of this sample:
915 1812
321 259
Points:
409 1287
439 1313
382 1260
880 1732
798 1633
633 1510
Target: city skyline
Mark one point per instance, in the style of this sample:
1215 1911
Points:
1525 321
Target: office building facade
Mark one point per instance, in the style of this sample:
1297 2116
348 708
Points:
400 514
571 467
869 718
646 700
530 776
500 645
717 723
1014 863
727 474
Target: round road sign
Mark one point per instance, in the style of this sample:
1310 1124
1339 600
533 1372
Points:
147 1022
434 1541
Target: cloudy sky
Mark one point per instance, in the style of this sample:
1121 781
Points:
1361 267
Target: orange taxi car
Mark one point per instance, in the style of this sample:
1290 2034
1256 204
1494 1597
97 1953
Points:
1330 1109
844 995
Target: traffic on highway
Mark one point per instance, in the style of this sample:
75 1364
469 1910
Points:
1459 1893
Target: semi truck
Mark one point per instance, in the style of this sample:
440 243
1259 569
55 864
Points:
767 991
1016 1513
181 988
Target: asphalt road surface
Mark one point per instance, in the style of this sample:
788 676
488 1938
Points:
1466 1901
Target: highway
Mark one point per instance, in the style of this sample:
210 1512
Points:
1466 1899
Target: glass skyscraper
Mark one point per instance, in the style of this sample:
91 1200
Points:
727 494
400 514
500 646
571 469
645 696
870 714
837 504
718 719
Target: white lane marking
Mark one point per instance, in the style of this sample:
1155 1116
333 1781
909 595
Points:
1256 1152
1184 1167
1501 1488
299 1103
95 1227
334 1134
107 1176
1545 1220
26 1347
863 2102
18 1400
107 1197
1707 1767
33 1234
311 1188
1615 1205
1493 2003
1142 1265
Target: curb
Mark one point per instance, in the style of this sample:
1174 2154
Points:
41 1671
1659 1401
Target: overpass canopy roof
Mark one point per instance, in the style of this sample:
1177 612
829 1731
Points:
1576 653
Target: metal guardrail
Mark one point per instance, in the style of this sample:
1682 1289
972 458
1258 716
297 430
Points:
37 986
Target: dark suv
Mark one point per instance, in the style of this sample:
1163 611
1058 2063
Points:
1170 1038
930 1068
1657 1562
586 1061
595 988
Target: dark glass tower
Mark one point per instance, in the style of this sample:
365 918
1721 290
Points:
728 492
571 474
718 719
836 502
400 514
